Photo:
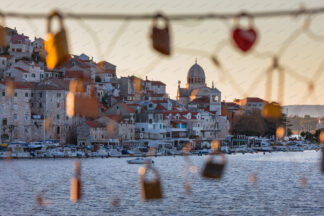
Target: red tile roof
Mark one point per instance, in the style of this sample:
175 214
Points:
75 74
126 107
21 85
22 70
94 124
254 99
116 118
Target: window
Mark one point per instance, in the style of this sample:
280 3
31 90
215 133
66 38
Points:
40 94
40 105
58 116
42 76
15 117
25 75
58 105
16 94
32 94
4 121
26 94
33 75
58 95
15 106
3 93
58 130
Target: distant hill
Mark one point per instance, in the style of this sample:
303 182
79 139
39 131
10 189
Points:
302 110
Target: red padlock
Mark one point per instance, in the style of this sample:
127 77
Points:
244 39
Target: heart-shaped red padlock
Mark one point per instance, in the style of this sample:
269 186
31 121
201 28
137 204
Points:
244 38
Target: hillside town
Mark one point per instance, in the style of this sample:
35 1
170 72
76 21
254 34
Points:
129 111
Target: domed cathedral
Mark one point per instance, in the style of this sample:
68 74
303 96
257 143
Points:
197 90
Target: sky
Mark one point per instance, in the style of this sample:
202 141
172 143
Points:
128 46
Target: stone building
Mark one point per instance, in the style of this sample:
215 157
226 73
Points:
196 88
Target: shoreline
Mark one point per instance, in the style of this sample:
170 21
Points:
144 156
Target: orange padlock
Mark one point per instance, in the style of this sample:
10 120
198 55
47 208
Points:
70 104
56 45
3 36
75 190
271 110
85 106
161 36
77 85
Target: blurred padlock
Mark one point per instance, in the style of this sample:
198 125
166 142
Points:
10 87
85 106
151 189
3 36
271 110
77 85
214 170
161 36
322 160
75 190
56 45
70 104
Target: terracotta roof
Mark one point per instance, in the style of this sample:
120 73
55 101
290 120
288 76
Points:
160 107
94 124
21 85
22 70
75 74
116 118
126 107
254 99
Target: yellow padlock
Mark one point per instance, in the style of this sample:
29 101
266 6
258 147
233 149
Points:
3 36
56 45
271 110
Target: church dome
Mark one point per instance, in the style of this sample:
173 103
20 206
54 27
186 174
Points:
196 75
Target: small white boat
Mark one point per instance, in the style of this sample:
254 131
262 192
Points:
140 161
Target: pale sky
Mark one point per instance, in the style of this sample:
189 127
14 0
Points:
132 52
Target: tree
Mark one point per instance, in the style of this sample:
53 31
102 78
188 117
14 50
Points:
249 124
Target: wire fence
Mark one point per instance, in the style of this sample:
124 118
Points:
116 202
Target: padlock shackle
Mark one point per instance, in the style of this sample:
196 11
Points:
160 16
49 20
149 167
239 16
218 153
